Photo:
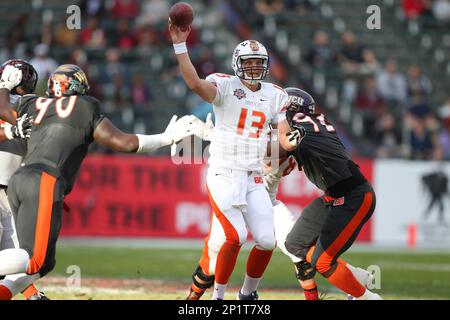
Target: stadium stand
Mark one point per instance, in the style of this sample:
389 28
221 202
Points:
320 45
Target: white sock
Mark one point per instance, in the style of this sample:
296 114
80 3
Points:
18 282
369 295
13 261
250 285
219 291
360 274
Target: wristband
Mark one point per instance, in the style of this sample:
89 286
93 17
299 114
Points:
150 143
180 48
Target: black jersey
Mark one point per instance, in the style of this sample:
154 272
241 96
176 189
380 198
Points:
62 132
323 158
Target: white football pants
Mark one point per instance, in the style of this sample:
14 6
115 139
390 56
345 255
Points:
240 204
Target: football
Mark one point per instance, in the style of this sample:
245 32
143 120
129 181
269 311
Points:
181 15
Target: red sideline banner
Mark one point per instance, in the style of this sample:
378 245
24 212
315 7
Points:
141 196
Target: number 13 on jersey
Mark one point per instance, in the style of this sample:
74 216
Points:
258 123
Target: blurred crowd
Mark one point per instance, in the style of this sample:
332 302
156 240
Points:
115 35
386 98
438 9
394 106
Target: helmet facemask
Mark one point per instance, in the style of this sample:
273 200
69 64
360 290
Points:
295 104
253 74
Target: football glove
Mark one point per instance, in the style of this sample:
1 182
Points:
296 135
11 77
179 129
22 129
271 182
273 177
203 130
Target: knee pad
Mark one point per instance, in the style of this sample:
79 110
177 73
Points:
208 280
304 270
323 267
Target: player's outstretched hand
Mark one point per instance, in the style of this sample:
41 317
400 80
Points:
179 129
203 130
22 129
177 35
11 77
296 135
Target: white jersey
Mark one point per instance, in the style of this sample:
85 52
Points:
11 155
242 119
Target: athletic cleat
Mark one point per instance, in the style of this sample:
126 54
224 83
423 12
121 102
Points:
39 296
376 296
251 296
364 277
367 296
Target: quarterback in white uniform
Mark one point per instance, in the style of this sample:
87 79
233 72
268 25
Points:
244 106
11 154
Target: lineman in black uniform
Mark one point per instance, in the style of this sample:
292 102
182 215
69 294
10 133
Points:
349 199
11 155
66 123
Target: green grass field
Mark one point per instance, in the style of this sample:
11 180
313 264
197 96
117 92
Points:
161 273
